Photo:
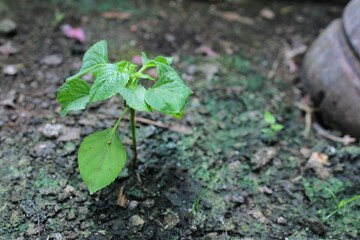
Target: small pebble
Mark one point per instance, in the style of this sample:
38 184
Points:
7 26
237 198
52 130
10 70
44 148
281 220
133 205
52 60
148 203
136 221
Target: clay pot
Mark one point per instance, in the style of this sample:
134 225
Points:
331 72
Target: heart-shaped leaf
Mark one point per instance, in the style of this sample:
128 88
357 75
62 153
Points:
108 82
94 58
135 97
101 158
73 95
169 94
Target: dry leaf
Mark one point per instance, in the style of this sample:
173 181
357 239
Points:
117 15
318 162
263 156
234 17
122 201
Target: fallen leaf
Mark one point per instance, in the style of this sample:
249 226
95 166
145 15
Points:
74 33
263 156
234 17
319 162
116 15
122 201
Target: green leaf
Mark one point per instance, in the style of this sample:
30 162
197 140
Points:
73 95
269 118
135 97
169 94
101 158
108 82
153 62
277 127
267 131
145 59
165 60
142 76
94 58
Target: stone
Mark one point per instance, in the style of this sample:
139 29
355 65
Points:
133 205
148 203
8 49
10 69
52 60
136 221
237 198
52 130
7 26
267 13
171 219
44 148
70 134
281 221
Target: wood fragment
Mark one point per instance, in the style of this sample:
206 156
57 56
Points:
305 105
122 201
346 140
175 127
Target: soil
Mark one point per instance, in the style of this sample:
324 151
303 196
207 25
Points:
210 175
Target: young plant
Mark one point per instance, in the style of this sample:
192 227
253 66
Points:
339 205
101 155
272 128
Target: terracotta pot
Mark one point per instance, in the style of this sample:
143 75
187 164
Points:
331 72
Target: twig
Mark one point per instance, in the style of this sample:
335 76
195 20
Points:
3 207
274 67
322 132
176 128
122 201
304 106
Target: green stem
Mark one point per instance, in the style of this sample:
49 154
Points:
132 121
120 118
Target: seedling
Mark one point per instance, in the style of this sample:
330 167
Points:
101 155
272 128
339 205
195 207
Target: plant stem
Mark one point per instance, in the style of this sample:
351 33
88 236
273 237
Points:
132 121
120 118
